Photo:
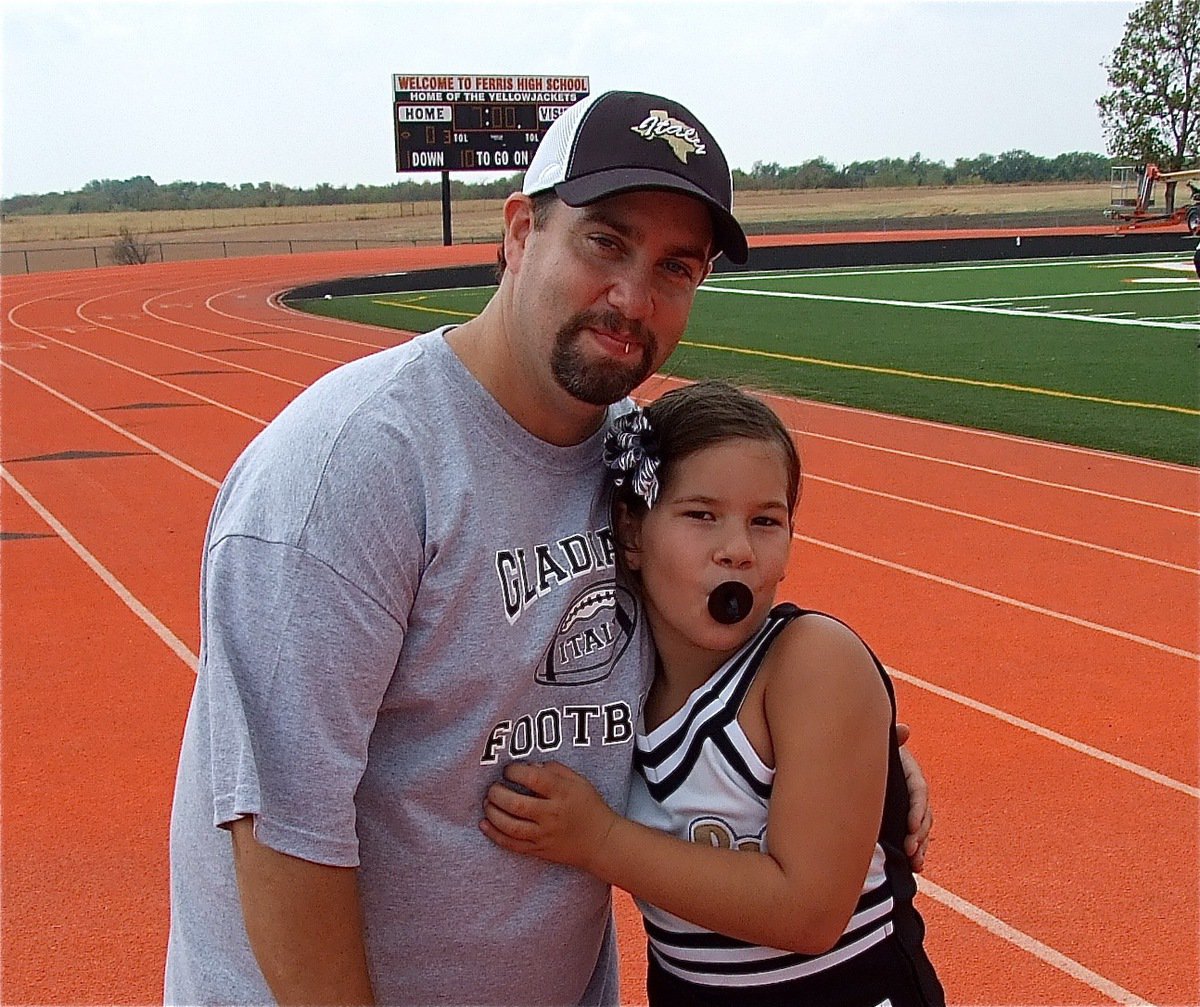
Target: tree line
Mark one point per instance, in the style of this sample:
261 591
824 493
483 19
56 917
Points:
143 193
1013 166
1151 113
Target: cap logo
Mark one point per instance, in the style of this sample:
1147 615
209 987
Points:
682 138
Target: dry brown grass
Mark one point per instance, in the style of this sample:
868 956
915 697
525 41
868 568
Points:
960 200
479 220
160 223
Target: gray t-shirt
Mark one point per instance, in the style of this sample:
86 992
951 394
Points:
402 590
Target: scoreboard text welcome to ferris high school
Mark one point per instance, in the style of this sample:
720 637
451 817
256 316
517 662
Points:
476 122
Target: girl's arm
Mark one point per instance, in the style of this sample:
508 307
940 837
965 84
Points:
828 715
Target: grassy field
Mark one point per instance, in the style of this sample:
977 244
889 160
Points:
759 212
38 228
1096 352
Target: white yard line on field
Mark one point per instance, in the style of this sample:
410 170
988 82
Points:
945 306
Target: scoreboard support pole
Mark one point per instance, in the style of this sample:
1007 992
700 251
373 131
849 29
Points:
446 237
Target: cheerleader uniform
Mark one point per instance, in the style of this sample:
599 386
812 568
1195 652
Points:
698 778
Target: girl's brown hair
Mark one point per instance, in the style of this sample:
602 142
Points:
688 419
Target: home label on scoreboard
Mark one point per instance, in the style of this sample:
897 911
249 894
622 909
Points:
476 122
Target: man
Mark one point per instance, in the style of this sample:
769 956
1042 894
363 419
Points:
408 582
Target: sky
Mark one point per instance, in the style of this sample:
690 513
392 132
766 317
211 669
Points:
300 93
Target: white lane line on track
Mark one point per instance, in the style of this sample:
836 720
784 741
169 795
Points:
176 348
1030 945
1012 601
827 545
229 335
928 888
790 403
931 506
823 436
105 421
157 380
126 596
999 472
804 433
1050 447
290 328
902 676
1003 599
141 374
1044 732
258 322
966 908
107 292
1002 524
1045 445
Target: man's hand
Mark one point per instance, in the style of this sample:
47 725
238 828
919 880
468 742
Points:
920 811
304 923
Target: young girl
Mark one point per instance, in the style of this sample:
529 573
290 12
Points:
765 828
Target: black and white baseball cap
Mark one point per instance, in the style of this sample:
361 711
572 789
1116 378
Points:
619 141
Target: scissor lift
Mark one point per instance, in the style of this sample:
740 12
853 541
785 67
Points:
1131 198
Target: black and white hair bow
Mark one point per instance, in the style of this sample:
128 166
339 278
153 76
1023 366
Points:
631 452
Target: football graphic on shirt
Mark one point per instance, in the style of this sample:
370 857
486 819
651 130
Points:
591 637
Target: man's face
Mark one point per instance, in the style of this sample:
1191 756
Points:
623 272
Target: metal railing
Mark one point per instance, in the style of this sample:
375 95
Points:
92 256
63 257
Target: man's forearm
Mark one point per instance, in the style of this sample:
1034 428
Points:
304 922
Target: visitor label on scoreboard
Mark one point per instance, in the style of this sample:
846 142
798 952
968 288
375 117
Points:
476 122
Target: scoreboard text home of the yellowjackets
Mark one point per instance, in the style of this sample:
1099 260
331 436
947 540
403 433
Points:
473 122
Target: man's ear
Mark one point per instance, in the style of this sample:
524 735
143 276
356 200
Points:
629 536
518 224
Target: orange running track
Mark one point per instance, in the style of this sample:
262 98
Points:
1037 605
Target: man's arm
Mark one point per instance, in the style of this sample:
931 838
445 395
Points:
920 811
304 922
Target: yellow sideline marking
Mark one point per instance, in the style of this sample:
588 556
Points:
940 377
894 372
411 306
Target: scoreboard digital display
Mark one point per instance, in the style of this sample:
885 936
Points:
458 122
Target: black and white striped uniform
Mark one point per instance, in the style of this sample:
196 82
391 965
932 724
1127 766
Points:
699 778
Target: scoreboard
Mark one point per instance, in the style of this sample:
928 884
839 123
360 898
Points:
476 122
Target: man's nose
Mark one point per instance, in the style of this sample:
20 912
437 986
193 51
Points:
631 293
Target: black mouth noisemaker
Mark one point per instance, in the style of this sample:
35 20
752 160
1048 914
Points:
730 602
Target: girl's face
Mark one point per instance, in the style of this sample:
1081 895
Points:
723 515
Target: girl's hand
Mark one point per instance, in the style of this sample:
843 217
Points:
561 818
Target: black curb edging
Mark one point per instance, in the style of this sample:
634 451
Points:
852 253
397 283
